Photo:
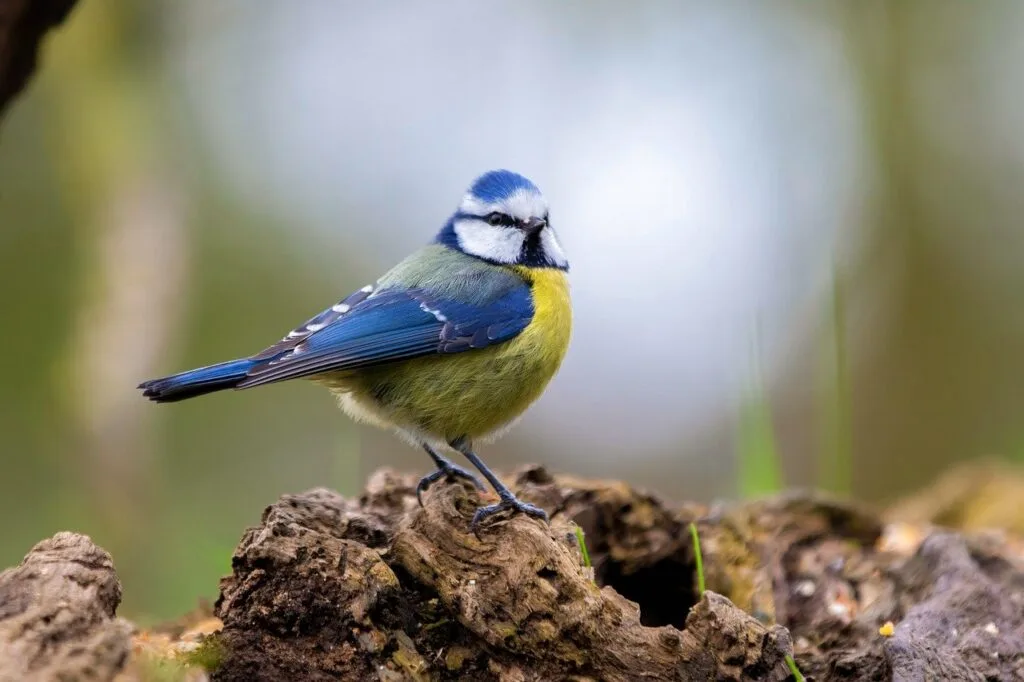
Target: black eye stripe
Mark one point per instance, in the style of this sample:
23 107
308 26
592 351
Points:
496 218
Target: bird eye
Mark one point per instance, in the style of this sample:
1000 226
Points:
498 219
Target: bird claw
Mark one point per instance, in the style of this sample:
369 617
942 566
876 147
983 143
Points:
450 471
510 503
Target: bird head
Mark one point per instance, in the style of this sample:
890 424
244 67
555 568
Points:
503 219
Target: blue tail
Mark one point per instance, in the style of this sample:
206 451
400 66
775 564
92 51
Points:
196 382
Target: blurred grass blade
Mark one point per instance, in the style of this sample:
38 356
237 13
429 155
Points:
581 540
698 559
797 675
588 567
835 463
757 454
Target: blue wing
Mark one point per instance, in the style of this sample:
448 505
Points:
390 325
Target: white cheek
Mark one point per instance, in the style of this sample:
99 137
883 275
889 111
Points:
499 244
552 249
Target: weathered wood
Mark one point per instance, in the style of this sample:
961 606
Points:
57 614
330 588
377 588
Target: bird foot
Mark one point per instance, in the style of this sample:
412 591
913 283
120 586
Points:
508 503
448 471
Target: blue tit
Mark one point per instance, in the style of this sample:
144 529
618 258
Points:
446 349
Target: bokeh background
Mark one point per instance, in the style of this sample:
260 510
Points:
794 227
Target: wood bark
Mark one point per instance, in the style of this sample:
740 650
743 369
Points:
378 588
57 617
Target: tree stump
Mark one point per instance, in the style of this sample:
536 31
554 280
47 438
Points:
327 588
378 588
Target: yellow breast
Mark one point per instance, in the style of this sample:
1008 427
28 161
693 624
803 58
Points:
551 326
476 393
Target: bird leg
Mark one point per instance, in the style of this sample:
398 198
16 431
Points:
508 501
445 469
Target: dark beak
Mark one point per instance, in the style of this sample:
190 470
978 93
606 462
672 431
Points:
534 225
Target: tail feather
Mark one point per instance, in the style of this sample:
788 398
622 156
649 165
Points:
196 382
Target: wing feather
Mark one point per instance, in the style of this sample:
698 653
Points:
314 324
389 326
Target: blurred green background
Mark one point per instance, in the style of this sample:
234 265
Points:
794 228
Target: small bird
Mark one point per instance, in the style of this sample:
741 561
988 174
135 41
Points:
446 349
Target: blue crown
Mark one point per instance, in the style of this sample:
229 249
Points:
499 184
